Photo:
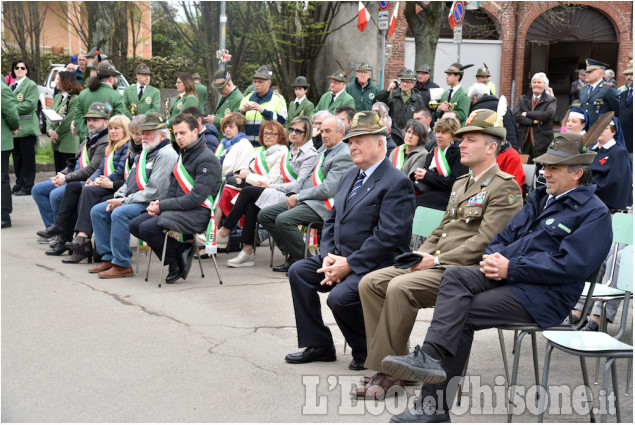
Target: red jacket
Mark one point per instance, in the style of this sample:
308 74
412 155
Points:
509 162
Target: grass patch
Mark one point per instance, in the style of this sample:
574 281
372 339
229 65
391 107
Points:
44 150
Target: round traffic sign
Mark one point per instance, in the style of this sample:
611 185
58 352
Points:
459 13
383 4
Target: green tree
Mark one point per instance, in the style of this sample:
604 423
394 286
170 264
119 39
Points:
425 25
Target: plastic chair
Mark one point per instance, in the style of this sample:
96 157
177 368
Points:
424 222
530 177
596 344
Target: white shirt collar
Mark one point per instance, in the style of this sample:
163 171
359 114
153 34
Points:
607 145
337 94
300 100
18 82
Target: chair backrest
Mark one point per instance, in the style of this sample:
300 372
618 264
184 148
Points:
623 228
530 175
625 274
426 220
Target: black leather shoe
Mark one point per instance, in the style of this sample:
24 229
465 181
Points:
80 253
22 192
57 250
283 268
185 261
357 364
419 416
416 366
6 223
312 354
52 230
15 188
174 273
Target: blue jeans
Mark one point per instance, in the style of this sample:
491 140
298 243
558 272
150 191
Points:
48 198
112 237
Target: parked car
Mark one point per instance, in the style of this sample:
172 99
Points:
47 91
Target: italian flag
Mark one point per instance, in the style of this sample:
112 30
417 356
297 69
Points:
400 155
441 163
393 20
362 17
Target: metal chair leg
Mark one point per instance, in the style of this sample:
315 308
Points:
459 392
585 379
545 381
534 346
344 352
165 245
603 328
628 376
138 256
501 340
195 249
618 412
148 267
512 385
216 267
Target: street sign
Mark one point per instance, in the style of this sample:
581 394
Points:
382 19
457 13
383 5
458 34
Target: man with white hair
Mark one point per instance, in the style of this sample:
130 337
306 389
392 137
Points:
534 114
481 98
149 176
369 224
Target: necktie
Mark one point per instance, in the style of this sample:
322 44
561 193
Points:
549 201
14 86
141 92
630 95
535 101
332 98
297 105
450 94
357 185
588 94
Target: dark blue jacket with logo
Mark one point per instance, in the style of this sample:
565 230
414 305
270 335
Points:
552 251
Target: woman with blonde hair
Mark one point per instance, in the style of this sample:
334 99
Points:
74 212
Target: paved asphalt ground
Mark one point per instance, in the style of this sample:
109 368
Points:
76 348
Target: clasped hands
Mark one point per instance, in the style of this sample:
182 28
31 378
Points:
494 266
335 268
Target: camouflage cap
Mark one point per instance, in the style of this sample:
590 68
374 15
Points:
263 73
629 68
567 149
300 81
366 122
221 78
154 121
483 71
106 69
363 67
97 110
142 68
408 75
339 75
484 121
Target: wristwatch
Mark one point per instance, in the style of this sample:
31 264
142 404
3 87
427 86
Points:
436 262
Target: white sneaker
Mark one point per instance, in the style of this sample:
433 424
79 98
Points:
242 260
222 242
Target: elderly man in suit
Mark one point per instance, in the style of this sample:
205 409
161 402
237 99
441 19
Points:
336 96
476 212
312 198
531 272
369 225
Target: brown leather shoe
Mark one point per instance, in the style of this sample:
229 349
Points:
101 267
115 271
378 387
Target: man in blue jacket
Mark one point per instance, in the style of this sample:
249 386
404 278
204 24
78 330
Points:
531 272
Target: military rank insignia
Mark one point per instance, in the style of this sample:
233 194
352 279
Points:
477 199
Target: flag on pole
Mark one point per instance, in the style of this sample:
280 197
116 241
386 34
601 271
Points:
393 20
362 17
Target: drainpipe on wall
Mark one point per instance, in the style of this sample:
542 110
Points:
513 94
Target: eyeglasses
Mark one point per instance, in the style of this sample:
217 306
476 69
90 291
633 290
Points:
267 134
23 68
296 131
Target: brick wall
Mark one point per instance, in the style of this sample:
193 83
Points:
514 33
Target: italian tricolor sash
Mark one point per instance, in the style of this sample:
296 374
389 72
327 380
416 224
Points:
83 158
220 151
260 165
187 182
126 170
441 163
211 234
318 178
142 178
288 175
400 156
109 165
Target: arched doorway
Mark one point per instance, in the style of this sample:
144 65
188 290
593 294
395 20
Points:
558 42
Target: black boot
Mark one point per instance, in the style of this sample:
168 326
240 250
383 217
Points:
80 253
185 261
174 273
52 230
283 268
58 249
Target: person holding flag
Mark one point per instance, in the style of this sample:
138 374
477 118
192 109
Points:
296 164
433 182
187 205
412 154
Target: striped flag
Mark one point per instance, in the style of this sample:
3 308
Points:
362 17
393 20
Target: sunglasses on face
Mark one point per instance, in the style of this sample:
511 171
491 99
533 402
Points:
296 131
23 68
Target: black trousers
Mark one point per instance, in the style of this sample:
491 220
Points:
6 202
67 214
91 196
24 161
245 205
60 160
146 228
343 300
467 302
